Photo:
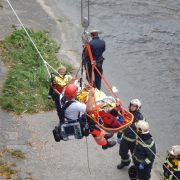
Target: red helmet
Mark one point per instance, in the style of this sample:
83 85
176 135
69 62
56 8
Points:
71 91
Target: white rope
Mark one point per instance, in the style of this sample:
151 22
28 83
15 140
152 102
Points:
44 61
160 160
87 154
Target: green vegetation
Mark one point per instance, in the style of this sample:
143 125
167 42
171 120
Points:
18 154
26 86
6 170
1 5
15 153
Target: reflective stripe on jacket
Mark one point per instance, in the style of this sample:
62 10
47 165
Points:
171 168
128 139
98 135
145 151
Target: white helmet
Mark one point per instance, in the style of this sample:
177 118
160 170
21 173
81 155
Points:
95 31
175 151
136 102
142 127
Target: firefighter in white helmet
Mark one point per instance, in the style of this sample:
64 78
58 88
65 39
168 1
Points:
127 138
144 153
171 165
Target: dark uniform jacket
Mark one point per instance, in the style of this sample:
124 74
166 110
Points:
142 152
174 168
128 134
97 47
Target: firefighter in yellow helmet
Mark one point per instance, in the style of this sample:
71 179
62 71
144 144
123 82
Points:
144 153
171 165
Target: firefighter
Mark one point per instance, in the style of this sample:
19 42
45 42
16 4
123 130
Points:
97 47
144 153
171 165
127 138
76 109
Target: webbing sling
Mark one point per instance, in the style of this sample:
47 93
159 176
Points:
64 107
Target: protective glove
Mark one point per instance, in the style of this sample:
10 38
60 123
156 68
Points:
167 174
141 166
119 140
119 135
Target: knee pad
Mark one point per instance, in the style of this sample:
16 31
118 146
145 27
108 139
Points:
132 172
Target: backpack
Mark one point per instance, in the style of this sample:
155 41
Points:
70 130
64 106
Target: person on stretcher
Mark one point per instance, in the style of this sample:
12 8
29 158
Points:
109 112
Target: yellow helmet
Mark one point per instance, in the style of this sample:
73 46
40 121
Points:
175 151
142 127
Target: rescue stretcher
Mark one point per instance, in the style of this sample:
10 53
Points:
103 115
109 114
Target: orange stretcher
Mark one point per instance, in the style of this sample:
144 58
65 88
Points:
109 113
103 116
106 119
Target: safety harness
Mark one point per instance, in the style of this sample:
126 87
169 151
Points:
63 106
68 129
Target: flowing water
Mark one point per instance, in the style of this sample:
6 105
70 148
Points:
142 56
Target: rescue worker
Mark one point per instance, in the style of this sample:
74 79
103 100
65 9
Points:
171 165
127 138
97 47
144 153
76 109
58 82
57 85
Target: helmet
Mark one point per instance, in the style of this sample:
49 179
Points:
136 102
95 32
175 151
142 127
71 91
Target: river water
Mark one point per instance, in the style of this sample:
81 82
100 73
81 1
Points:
142 56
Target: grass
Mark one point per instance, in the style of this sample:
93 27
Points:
18 154
26 86
15 153
29 177
6 170
1 5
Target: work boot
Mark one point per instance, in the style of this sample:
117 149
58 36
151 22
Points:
120 166
108 136
109 144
